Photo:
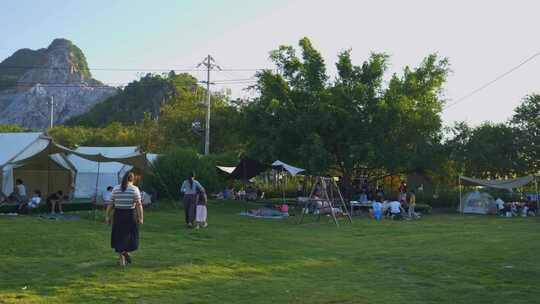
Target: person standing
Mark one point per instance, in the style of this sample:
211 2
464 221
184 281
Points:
201 212
128 214
377 209
412 204
190 187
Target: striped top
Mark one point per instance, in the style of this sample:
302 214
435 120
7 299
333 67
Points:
125 199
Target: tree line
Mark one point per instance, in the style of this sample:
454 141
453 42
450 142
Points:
356 123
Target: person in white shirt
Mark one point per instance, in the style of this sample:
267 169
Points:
377 209
189 188
35 201
395 210
20 192
500 205
107 196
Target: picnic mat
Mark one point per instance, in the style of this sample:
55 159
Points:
65 217
264 216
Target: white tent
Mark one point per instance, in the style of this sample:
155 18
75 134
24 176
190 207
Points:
279 165
479 203
26 156
101 174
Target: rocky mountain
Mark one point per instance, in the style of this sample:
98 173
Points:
29 78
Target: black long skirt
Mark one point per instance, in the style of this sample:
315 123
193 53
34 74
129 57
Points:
125 231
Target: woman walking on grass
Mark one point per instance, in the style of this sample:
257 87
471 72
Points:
190 187
128 214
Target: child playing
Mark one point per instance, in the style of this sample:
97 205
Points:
201 212
107 197
377 209
33 203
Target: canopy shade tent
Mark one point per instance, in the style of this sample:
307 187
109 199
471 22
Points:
227 170
279 165
505 184
96 169
33 157
247 169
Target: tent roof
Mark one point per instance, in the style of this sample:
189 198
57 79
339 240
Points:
228 170
14 143
283 166
89 166
498 183
247 169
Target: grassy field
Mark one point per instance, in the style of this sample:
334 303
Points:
438 259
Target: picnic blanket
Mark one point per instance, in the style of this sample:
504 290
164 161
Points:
281 217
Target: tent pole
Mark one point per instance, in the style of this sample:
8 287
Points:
49 175
459 183
283 185
96 194
536 193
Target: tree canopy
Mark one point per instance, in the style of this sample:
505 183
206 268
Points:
350 124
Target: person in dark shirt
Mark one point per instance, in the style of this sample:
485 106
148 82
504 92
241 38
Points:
56 199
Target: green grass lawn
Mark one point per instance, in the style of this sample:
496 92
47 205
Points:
438 259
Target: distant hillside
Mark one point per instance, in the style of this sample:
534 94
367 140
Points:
142 96
29 78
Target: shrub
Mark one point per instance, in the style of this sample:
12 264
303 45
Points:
175 165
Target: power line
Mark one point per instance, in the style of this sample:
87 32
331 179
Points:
131 69
492 81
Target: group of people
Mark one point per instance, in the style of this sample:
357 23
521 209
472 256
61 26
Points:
195 200
248 194
25 204
516 208
394 209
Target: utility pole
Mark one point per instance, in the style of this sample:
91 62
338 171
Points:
51 112
209 64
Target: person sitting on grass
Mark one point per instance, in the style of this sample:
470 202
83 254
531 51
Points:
531 207
20 193
35 201
377 209
32 204
395 210
56 199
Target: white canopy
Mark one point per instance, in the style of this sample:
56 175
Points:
226 169
101 174
507 184
19 149
283 166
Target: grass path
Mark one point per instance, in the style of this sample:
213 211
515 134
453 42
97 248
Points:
438 259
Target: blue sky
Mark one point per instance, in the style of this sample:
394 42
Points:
481 38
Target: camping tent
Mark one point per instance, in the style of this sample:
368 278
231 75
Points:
33 158
93 177
479 203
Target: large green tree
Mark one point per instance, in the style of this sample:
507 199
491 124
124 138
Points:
487 151
350 124
526 120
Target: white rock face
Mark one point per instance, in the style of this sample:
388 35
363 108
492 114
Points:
64 78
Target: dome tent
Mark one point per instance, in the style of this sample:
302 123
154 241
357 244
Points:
479 203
